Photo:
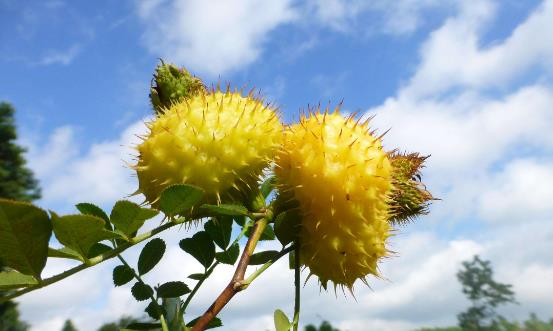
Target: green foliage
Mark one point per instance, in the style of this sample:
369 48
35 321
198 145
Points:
16 180
9 318
80 232
128 217
262 257
68 326
282 323
179 199
151 255
484 293
172 290
141 291
230 255
25 231
287 226
201 247
122 274
11 279
220 230
215 323
226 209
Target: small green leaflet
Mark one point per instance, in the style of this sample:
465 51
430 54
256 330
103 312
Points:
10 280
215 323
172 290
128 217
220 230
262 257
179 199
25 231
64 253
201 247
150 256
80 232
287 226
226 209
230 255
141 291
122 274
282 323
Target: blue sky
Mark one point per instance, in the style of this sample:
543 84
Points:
469 83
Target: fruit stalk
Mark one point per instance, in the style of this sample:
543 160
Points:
235 285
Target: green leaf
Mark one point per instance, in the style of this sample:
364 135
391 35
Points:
226 209
287 226
172 290
229 256
262 257
25 231
98 249
122 274
268 186
12 279
268 233
215 323
141 291
128 217
143 326
151 255
201 247
91 209
282 323
179 199
64 253
196 276
220 230
153 310
80 232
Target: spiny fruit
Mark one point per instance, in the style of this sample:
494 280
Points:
342 178
218 141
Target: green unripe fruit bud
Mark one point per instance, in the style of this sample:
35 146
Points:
172 85
409 196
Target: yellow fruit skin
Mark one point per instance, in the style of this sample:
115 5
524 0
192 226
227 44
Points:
341 177
218 141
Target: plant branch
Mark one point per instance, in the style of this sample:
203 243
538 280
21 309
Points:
297 276
95 260
235 284
210 270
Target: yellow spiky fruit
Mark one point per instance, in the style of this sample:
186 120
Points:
341 177
218 141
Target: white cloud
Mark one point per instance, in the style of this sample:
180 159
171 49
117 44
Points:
63 57
212 37
98 175
454 55
522 192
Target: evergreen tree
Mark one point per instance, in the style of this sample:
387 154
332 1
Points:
16 182
68 326
485 294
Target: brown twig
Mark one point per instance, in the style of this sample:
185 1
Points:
235 285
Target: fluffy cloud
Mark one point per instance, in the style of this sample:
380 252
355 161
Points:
69 175
454 56
212 37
